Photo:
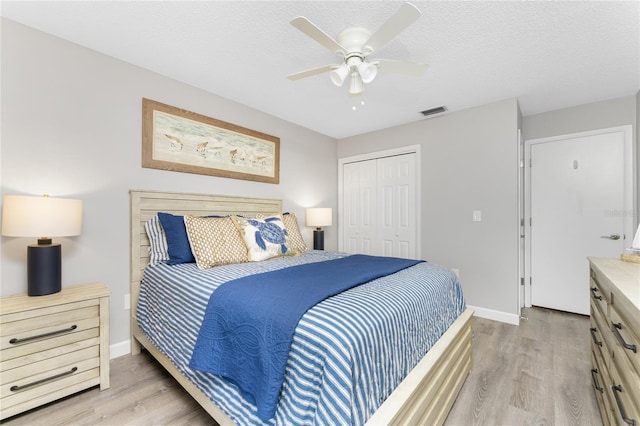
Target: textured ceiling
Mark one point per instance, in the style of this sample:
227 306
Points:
548 54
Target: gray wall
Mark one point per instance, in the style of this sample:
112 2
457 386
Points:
469 161
593 116
71 126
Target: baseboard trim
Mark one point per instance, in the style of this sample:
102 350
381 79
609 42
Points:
496 315
119 349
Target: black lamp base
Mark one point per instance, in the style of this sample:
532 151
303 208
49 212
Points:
44 270
318 239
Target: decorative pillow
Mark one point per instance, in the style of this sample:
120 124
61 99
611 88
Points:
177 241
295 240
264 237
158 250
215 241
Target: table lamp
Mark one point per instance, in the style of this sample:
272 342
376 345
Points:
635 244
318 217
42 217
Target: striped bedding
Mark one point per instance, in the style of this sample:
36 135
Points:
348 354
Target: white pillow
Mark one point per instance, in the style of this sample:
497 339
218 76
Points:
158 248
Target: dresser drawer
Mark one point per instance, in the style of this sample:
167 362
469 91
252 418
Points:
626 343
601 337
624 392
600 296
599 380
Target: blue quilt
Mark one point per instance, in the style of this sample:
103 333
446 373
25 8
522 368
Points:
249 322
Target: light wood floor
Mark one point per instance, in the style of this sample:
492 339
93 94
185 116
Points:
534 374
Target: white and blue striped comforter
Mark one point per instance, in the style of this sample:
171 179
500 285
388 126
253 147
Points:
348 354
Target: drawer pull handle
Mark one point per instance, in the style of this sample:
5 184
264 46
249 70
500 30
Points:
594 371
593 336
16 341
593 291
615 327
627 420
41 381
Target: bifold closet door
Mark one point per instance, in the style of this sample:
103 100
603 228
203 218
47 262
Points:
396 201
379 206
359 192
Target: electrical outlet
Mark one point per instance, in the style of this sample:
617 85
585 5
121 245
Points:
457 272
477 216
127 301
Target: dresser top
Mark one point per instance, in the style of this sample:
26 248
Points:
625 275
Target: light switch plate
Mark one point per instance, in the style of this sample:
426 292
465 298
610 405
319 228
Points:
477 216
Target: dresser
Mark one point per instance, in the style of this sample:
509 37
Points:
615 339
52 346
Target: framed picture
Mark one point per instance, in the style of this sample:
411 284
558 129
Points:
184 141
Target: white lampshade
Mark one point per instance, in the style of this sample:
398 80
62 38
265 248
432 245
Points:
356 87
319 216
339 74
367 72
29 216
636 240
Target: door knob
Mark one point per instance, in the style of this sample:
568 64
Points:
611 237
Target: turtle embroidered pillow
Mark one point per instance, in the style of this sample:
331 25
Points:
265 237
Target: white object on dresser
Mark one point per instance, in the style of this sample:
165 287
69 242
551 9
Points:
52 346
615 332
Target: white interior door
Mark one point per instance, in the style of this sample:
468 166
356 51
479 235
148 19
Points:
577 202
359 207
397 206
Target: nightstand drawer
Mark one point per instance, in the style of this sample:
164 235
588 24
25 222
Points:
85 330
88 339
31 376
69 380
40 324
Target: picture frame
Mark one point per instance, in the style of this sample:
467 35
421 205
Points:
178 140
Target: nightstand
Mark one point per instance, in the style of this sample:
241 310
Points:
52 346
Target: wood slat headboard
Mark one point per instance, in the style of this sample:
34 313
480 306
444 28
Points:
145 204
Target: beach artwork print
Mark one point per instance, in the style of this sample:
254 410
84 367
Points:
184 141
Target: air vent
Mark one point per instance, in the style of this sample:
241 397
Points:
432 111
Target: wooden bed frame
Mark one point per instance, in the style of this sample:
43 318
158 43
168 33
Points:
424 397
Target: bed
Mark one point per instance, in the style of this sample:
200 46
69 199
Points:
424 396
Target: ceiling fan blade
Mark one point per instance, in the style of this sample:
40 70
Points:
401 67
309 28
405 16
309 73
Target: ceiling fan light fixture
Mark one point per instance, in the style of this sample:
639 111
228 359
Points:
339 75
356 87
367 71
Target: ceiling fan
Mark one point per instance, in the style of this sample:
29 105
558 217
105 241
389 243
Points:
355 44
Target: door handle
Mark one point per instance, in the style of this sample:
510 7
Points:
611 237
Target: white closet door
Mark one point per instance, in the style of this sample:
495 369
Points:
359 192
379 206
397 206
